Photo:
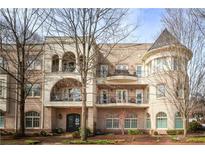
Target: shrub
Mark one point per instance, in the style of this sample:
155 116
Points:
32 142
36 134
194 126
135 132
88 132
196 139
76 134
175 132
44 133
155 133
58 130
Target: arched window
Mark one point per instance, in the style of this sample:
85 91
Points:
1 119
112 121
148 121
32 119
55 63
178 120
161 120
131 121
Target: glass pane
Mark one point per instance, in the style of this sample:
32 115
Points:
36 90
108 123
127 123
28 122
1 121
148 123
115 123
178 123
35 122
133 123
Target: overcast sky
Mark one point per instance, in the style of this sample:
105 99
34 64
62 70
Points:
150 24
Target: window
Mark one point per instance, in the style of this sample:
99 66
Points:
103 70
178 120
139 96
139 71
1 119
32 119
161 120
55 63
160 90
122 96
2 88
104 96
33 90
179 90
2 64
112 121
131 121
34 63
148 121
121 67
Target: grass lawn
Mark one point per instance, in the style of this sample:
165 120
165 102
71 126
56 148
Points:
105 140
196 139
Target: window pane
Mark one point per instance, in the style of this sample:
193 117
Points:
115 123
160 90
139 71
133 123
1 121
108 123
28 122
35 122
148 123
127 123
36 89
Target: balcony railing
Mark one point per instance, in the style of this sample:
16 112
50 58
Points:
113 99
63 97
117 72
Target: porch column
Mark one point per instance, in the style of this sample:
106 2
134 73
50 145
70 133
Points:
60 64
48 118
91 119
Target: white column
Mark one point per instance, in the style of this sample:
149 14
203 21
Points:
60 64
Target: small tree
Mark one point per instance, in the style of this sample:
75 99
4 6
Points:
21 47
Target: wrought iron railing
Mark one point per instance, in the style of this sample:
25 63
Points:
110 99
67 98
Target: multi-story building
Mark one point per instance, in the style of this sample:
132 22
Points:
121 94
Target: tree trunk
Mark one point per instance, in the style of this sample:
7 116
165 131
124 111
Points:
185 126
22 108
84 115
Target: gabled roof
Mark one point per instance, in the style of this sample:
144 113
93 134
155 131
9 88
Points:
164 39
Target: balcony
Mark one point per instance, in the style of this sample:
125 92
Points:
121 101
120 76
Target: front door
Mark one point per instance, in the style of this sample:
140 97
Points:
73 122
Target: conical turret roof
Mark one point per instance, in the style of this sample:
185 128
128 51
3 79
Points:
164 39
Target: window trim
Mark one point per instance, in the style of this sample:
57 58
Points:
161 117
32 92
160 97
32 117
178 117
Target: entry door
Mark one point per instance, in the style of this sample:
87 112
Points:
121 96
73 122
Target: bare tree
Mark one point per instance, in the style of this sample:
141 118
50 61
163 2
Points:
21 48
90 30
183 69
